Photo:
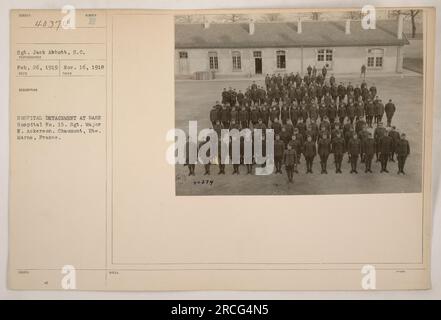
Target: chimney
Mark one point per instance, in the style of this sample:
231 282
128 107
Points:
348 27
251 26
400 26
206 24
299 26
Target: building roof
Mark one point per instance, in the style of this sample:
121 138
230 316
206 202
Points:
284 34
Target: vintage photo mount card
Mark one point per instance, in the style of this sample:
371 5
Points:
100 99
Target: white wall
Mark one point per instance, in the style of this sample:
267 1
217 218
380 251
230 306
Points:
345 60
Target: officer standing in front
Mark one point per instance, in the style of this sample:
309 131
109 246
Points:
290 158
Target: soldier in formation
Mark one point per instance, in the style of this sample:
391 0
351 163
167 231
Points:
312 115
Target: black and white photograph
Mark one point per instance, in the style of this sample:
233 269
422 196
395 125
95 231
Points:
340 93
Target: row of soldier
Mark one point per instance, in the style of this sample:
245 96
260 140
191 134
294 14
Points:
385 145
248 116
299 90
315 113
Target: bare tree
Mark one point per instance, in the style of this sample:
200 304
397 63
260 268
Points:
354 15
315 15
184 19
234 17
272 17
410 14
413 14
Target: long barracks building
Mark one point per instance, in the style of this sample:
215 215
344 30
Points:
250 49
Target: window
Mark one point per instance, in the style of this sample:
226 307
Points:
379 62
324 55
281 59
257 54
328 55
183 54
237 63
375 58
212 56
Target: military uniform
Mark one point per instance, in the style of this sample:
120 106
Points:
285 136
324 149
379 133
390 110
348 134
303 113
277 127
218 129
234 160
373 91
325 127
301 126
190 147
233 97
354 149
363 134
359 110
290 159
403 150
296 145
385 147
294 115
279 149
240 98
350 112
243 118
341 112
324 72
368 147
247 157
234 115
395 135
225 117
332 113
264 115
284 114
360 125
341 91
254 116
310 151
332 80
260 126
370 112
313 113
267 82
314 128
322 111
225 96
207 162
338 149
274 114
379 108
289 129
234 125
222 159
214 115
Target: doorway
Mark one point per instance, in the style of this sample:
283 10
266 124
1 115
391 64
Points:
183 62
257 62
